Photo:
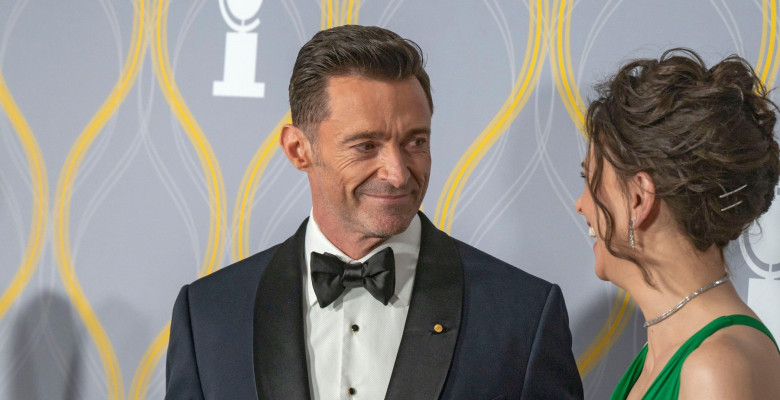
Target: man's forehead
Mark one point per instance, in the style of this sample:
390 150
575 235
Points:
359 79
364 77
362 93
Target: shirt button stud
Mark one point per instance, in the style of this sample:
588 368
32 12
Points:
355 328
352 391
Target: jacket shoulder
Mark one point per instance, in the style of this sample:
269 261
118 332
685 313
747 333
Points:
481 267
514 333
244 272
212 329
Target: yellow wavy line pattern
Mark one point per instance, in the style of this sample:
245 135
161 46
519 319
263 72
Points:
208 160
526 81
622 308
620 313
249 184
40 196
251 180
767 63
326 14
347 11
562 69
152 356
342 13
764 27
63 197
772 54
214 182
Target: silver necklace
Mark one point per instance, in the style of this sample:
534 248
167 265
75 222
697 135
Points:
686 300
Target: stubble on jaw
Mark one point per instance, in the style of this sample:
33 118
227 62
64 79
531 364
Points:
388 227
393 219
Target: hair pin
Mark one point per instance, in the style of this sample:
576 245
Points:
732 192
731 206
729 194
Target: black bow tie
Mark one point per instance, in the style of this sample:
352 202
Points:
330 276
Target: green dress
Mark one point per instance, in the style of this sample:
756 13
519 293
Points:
667 384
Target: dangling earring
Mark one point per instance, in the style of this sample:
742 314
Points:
631 233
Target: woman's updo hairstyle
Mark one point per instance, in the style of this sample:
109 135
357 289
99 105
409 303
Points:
699 133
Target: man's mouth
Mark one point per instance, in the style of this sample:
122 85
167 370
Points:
390 198
388 195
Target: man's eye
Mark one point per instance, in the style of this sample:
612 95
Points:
417 142
368 146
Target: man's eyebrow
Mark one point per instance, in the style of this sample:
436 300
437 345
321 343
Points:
375 134
360 136
417 131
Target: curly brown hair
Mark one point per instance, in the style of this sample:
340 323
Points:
699 133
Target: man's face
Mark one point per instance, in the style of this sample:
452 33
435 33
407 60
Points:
372 157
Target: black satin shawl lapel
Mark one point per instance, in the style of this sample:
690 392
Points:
424 356
281 371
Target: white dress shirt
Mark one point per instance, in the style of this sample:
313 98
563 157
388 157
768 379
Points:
352 343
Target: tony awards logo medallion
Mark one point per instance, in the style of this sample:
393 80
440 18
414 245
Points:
762 255
240 50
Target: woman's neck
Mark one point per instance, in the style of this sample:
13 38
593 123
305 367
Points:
678 269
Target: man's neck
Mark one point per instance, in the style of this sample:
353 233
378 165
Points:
353 247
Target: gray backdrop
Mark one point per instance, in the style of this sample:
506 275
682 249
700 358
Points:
126 171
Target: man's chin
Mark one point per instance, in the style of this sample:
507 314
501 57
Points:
384 226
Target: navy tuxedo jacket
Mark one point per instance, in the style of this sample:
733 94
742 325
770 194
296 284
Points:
238 333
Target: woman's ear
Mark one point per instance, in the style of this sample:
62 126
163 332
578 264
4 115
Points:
296 146
643 203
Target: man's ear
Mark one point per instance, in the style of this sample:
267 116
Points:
643 202
296 147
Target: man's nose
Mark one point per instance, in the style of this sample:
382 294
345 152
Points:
394 168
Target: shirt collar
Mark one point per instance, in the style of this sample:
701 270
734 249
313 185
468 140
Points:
406 249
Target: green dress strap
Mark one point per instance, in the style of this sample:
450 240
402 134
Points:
667 384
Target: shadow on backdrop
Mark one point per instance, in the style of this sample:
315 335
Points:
46 350
601 380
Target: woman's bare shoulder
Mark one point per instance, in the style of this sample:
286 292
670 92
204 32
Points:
738 362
